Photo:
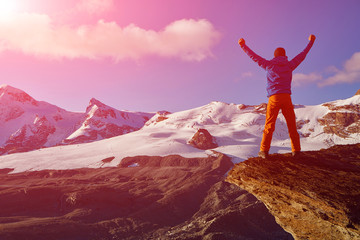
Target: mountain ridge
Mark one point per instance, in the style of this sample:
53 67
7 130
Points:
20 113
236 129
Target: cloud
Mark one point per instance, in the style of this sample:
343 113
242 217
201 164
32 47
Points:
187 39
95 6
247 75
301 79
243 76
349 74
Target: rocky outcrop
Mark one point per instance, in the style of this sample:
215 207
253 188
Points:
315 196
158 117
261 108
30 136
11 113
342 120
17 95
146 197
99 109
341 123
102 121
202 139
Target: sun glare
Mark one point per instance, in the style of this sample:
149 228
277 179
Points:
7 7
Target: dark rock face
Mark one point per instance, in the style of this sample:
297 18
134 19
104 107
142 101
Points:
102 121
17 95
30 137
341 123
315 196
261 108
358 92
203 140
13 113
342 120
161 198
158 117
102 110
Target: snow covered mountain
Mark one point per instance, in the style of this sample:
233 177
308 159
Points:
27 124
236 129
102 122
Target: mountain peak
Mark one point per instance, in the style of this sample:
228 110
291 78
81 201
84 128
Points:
15 94
4 86
9 89
94 102
358 92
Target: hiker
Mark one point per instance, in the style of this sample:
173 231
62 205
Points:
279 75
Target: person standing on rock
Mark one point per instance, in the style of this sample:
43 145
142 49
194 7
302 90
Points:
279 76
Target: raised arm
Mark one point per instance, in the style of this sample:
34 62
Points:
256 58
295 62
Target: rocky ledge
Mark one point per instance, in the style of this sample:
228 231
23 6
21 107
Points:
315 196
145 197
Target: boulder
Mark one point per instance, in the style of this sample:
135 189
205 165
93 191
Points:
202 139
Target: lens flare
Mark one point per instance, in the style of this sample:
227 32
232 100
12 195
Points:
7 7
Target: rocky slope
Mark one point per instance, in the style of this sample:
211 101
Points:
315 196
27 124
102 121
143 198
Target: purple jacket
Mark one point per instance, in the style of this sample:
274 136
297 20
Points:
279 69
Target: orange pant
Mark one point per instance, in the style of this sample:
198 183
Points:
276 102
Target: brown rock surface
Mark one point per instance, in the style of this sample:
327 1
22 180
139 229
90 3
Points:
342 120
315 196
30 136
341 123
144 198
358 92
202 139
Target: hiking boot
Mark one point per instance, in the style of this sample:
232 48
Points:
263 154
296 154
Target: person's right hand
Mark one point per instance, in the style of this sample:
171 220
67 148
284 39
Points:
241 42
312 37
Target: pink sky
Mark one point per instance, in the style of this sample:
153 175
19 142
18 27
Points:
152 55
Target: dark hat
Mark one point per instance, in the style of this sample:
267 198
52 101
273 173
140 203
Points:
279 52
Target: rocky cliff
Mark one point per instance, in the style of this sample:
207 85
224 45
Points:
143 198
343 119
315 196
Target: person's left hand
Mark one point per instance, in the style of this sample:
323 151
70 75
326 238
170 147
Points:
312 37
241 42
